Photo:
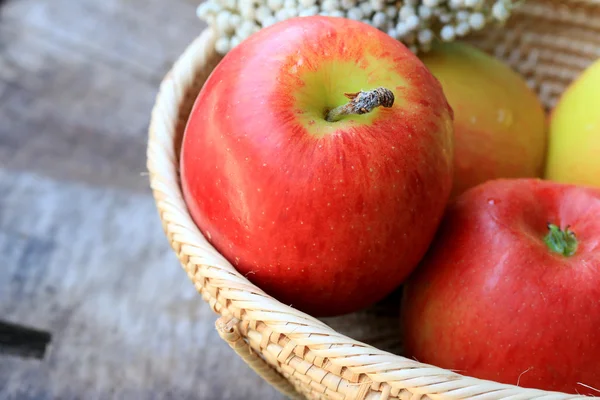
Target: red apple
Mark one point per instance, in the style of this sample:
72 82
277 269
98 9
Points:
327 216
510 289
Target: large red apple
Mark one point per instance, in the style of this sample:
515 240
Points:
327 216
510 290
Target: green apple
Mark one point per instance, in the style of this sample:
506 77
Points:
574 139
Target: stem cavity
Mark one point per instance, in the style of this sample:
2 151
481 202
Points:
362 103
561 241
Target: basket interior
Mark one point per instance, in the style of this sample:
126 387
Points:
549 43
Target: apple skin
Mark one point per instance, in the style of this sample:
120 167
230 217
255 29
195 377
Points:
328 217
500 126
490 299
574 138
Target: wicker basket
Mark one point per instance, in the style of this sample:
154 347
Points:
355 356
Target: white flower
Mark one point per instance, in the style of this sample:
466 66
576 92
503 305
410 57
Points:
366 8
462 28
275 4
348 4
401 29
462 15
247 9
222 45
391 11
424 12
412 22
230 4
425 36
393 33
246 29
378 5
269 21
406 11
379 19
282 15
445 18
235 20
477 21
499 11
207 8
472 3
307 3
235 41
355 13
447 33
330 5
307 12
263 12
457 3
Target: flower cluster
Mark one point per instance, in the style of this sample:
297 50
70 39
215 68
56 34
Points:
414 22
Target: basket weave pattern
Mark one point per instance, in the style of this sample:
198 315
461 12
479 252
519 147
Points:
548 41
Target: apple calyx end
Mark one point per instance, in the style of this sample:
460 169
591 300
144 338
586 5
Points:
561 241
362 102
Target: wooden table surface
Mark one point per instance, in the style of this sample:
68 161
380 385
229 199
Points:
82 253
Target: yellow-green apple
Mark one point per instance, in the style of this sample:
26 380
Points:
499 123
574 142
318 160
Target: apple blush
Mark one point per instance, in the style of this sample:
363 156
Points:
318 159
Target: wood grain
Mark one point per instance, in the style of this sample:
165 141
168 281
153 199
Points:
82 253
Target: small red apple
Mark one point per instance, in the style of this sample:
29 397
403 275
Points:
325 208
510 289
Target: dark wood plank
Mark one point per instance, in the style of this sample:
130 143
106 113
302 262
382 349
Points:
82 253
78 80
92 267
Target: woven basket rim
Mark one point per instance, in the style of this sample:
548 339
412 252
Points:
229 293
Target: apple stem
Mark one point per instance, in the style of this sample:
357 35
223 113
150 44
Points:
561 241
361 103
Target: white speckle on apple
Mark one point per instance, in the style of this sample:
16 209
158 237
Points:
208 235
258 189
